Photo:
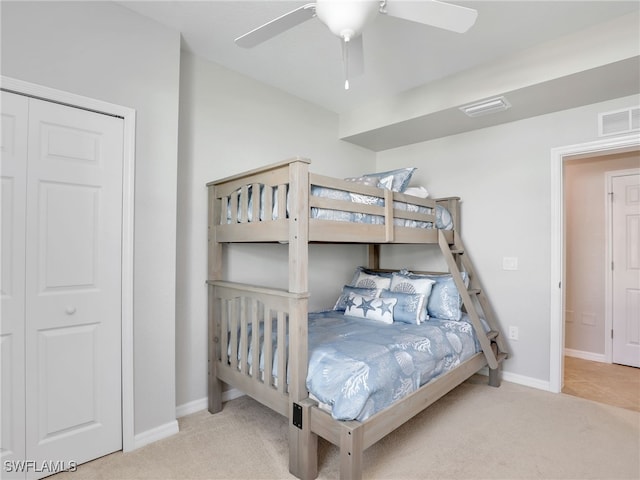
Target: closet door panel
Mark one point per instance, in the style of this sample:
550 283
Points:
13 147
73 334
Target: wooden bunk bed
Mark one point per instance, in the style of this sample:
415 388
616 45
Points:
233 307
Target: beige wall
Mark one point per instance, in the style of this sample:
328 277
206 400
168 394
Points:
585 258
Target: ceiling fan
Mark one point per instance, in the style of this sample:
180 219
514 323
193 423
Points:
348 18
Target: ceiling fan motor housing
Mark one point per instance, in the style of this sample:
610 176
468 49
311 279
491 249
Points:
346 18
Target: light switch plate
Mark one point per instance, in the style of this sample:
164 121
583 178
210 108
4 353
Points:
510 263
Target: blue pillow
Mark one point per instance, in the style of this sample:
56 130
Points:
347 289
445 301
400 178
409 307
444 221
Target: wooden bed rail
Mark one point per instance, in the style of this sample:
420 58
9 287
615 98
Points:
269 172
259 195
263 205
238 312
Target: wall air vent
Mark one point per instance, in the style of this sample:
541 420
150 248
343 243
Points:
485 107
619 121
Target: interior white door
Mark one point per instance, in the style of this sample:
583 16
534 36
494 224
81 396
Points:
70 235
13 148
626 269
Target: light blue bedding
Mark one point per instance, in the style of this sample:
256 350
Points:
359 367
443 217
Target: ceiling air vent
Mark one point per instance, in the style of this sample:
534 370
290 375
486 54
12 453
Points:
485 107
619 121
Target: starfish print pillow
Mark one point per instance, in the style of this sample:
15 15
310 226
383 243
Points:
371 308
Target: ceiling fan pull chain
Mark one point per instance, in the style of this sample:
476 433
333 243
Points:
345 61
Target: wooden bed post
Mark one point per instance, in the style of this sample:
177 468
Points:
351 450
302 442
374 256
214 273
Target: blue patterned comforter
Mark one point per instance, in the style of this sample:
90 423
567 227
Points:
358 367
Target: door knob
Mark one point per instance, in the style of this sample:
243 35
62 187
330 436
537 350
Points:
70 310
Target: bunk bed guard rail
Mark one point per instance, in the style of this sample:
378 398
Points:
258 206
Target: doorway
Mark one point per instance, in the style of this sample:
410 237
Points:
593 307
559 156
592 225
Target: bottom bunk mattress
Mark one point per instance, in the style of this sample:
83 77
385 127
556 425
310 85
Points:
358 367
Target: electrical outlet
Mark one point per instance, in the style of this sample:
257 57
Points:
513 333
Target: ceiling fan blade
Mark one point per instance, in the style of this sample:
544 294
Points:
432 12
276 26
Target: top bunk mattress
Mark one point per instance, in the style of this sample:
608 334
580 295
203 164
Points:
443 218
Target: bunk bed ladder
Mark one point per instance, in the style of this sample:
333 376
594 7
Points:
476 304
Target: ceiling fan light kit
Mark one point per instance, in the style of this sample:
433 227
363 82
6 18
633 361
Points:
347 19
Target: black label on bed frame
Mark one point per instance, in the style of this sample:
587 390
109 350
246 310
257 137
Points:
297 415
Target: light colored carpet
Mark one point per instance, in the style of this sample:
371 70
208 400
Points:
474 432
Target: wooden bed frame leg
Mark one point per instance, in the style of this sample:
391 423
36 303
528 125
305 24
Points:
214 386
494 377
303 444
494 373
215 395
351 443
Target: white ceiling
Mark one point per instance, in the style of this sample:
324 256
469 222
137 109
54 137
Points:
306 60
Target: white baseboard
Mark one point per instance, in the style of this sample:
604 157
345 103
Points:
526 381
155 434
202 403
191 407
594 357
231 394
521 380
171 428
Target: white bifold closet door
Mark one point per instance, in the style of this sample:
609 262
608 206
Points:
60 338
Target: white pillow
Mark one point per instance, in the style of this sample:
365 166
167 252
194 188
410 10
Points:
420 285
347 289
369 280
417 192
371 308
